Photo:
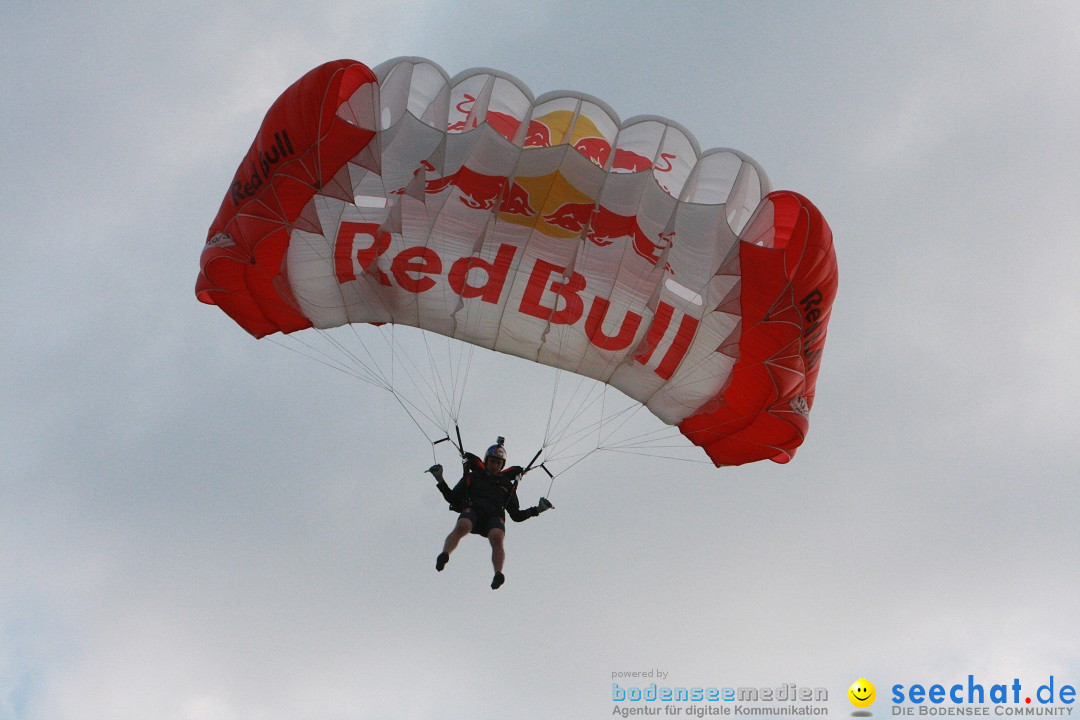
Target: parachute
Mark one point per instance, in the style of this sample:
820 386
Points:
540 227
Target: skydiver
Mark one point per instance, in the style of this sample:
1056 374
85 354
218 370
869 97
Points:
486 492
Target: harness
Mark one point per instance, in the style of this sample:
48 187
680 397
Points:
472 464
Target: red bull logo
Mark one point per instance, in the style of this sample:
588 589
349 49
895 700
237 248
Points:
551 293
503 123
477 190
565 211
484 192
572 216
629 161
602 227
599 150
517 202
559 126
552 128
538 135
606 227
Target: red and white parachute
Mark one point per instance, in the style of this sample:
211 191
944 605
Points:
543 228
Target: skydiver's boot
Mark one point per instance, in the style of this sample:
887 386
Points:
497 581
440 562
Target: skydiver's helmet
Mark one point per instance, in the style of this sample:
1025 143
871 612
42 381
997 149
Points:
495 457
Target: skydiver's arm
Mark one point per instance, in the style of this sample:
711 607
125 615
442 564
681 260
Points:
513 509
542 506
447 493
454 497
458 497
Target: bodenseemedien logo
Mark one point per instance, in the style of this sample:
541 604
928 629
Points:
700 700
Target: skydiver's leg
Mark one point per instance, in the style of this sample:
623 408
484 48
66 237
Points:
462 528
498 554
496 536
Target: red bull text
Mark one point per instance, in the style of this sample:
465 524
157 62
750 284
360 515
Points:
549 294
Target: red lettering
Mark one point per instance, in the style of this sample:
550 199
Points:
594 327
656 331
491 289
679 346
812 299
534 292
343 250
414 268
420 260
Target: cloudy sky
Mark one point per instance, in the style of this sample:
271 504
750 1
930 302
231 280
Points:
198 526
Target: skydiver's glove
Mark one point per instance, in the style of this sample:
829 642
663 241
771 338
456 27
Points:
436 470
543 505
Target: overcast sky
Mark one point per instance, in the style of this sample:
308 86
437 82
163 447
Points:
195 525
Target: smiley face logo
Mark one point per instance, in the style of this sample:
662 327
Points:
862 693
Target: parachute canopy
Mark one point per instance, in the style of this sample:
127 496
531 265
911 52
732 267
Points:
544 228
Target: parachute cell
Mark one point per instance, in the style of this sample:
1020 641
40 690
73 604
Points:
543 228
